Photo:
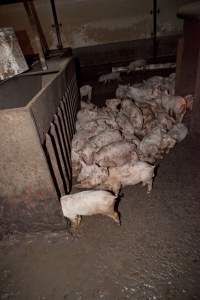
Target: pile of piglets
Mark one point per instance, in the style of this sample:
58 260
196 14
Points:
119 144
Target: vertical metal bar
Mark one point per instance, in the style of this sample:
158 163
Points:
66 168
65 122
73 98
56 145
49 151
60 46
65 133
68 97
155 29
68 115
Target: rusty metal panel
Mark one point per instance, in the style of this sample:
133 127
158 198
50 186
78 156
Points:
12 61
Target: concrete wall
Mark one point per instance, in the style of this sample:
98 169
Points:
92 22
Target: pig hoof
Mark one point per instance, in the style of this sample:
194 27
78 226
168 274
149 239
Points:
149 190
75 225
75 237
118 223
117 218
74 234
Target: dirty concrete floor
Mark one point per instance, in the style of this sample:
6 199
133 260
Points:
153 255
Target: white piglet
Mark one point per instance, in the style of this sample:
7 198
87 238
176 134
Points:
113 104
106 137
88 203
115 154
86 91
129 174
175 106
109 77
91 176
121 91
137 64
178 132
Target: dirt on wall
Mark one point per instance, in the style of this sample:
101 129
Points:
92 22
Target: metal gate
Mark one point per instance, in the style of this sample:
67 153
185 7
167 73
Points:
57 142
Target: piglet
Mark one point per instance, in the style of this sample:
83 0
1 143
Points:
124 124
142 95
110 76
150 144
137 64
121 91
178 132
115 154
105 137
85 116
129 174
76 163
113 104
91 175
133 112
86 91
88 203
175 106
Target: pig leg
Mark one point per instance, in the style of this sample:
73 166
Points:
115 216
75 223
111 213
116 188
78 221
149 184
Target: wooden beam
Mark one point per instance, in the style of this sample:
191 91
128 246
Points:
32 18
39 28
